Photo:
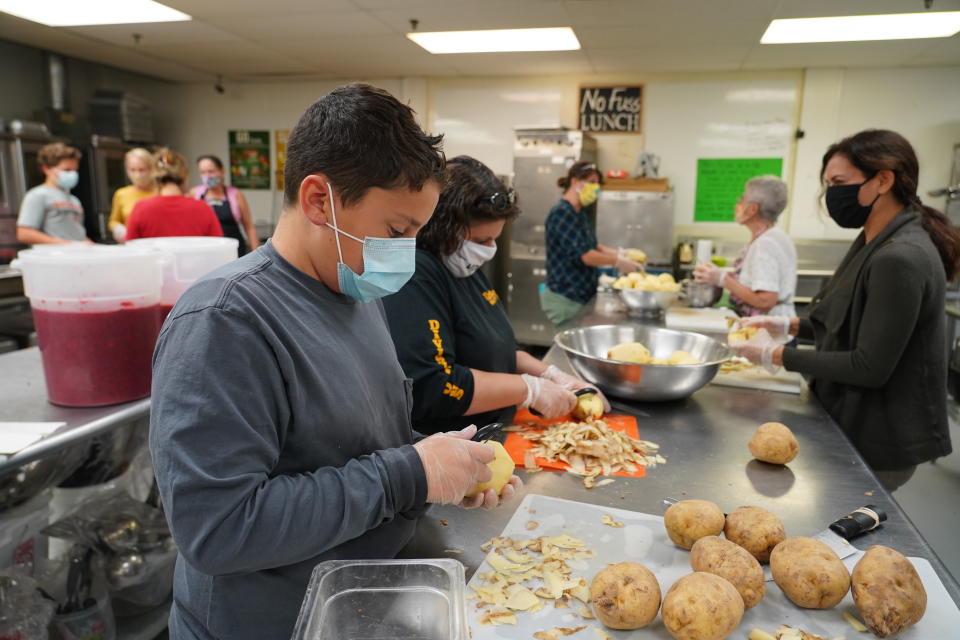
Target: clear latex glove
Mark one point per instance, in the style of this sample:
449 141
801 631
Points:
454 465
777 326
710 273
759 350
625 265
572 383
120 233
549 398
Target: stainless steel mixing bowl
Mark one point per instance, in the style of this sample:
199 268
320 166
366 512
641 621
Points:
645 303
587 347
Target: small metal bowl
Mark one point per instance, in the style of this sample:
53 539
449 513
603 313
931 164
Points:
700 294
647 303
587 347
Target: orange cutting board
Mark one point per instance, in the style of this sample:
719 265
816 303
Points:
516 445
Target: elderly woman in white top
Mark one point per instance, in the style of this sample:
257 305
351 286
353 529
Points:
765 275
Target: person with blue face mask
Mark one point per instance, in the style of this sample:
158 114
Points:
49 213
450 327
878 325
280 423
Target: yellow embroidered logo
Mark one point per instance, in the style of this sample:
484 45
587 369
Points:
438 343
490 296
453 391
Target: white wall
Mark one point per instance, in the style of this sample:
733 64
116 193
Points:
923 104
920 103
194 119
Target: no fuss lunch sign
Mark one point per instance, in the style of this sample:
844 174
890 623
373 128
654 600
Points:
610 109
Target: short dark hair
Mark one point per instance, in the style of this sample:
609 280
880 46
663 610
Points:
212 158
581 171
472 193
361 137
51 154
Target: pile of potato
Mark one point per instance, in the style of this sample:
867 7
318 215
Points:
728 578
647 282
638 353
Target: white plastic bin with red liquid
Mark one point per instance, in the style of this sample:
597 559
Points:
189 259
97 315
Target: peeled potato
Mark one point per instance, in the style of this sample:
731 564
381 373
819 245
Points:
502 467
888 591
689 520
773 442
742 335
629 352
637 255
732 563
682 357
809 573
589 405
625 595
756 530
701 606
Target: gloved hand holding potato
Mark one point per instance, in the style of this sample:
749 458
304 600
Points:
460 471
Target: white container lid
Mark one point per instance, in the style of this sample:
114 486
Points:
90 277
189 259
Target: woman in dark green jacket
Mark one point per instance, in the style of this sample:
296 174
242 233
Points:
880 365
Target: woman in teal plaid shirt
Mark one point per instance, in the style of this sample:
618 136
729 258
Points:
573 253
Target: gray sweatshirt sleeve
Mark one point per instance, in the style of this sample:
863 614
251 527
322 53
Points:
218 410
889 317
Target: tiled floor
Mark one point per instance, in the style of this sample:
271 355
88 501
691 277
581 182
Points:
931 499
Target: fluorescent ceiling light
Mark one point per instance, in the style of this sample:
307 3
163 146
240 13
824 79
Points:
75 13
494 40
891 26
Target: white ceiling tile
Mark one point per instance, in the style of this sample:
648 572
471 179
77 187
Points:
162 33
815 8
219 8
303 26
491 14
669 58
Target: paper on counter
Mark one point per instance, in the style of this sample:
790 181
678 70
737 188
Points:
15 436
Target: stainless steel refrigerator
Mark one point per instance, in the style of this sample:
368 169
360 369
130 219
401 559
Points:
639 220
540 157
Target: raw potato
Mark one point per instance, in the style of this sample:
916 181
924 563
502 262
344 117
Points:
774 443
502 467
810 574
625 595
682 357
689 520
589 405
629 352
756 530
701 606
887 591
742 334
731 562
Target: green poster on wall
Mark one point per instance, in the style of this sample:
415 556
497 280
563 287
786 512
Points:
250 159
720 184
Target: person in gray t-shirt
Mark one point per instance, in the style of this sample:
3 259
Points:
49 214
280 424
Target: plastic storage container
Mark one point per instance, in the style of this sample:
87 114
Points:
384 600
189 259
97 315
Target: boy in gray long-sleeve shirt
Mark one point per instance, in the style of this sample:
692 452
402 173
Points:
280 427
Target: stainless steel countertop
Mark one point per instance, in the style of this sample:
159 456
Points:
704 439
23 397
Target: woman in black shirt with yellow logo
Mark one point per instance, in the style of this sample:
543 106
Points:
450 329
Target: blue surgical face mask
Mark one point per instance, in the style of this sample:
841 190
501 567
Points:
388 263
211 182
67 179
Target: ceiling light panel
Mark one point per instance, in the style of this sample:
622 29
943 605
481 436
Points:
75 13
497 40
893 26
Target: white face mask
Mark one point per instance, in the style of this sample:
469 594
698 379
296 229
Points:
469 257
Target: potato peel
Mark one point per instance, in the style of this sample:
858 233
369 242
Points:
556 632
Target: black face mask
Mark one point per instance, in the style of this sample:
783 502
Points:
844 206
